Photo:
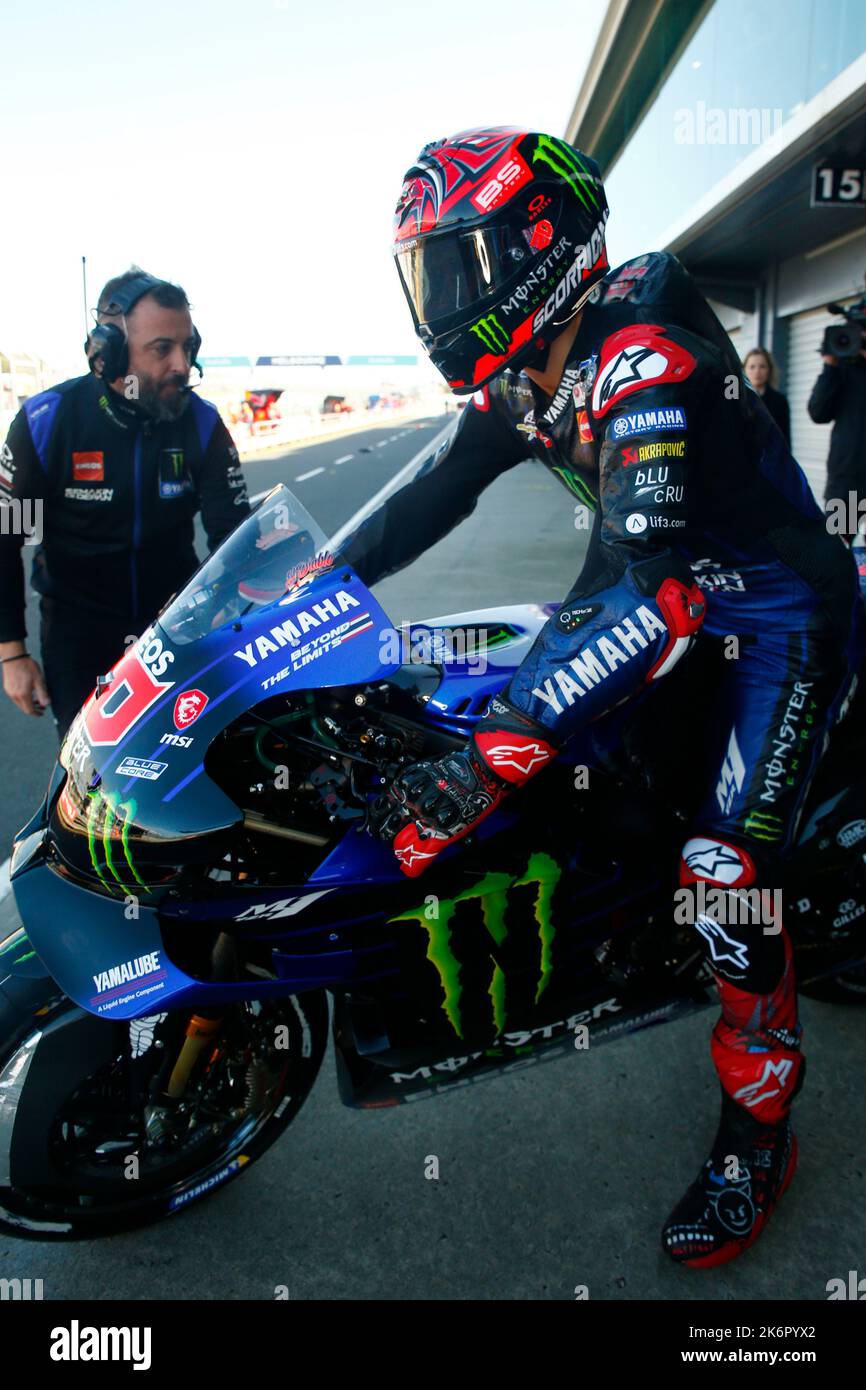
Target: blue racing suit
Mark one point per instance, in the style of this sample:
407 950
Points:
692 489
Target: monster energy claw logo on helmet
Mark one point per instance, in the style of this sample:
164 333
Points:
492 334
570 166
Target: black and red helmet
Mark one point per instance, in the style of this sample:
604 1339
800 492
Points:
498 237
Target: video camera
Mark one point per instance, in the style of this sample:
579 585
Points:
845 340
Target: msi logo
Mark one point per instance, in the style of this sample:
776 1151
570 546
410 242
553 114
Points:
187 707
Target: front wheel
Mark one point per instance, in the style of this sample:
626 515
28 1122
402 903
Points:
89 1147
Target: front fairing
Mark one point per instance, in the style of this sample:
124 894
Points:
140 746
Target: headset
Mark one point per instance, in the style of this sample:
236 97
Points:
106 345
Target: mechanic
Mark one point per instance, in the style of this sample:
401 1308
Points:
632 394
117 462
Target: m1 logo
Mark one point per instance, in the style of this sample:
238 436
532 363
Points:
133 690
187 707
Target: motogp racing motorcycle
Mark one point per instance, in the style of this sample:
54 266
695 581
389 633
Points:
199 880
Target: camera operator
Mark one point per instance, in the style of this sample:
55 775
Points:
839 394
117 462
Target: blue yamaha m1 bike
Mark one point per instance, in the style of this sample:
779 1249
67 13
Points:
199 880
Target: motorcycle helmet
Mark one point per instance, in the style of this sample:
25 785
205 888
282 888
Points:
498 239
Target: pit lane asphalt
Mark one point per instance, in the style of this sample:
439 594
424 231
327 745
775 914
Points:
552 1178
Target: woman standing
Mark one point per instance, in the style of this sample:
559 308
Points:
761 372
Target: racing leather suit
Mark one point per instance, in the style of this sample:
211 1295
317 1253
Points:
656 432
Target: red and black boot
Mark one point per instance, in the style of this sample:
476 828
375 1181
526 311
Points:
756 1052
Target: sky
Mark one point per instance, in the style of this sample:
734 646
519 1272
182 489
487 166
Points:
252 152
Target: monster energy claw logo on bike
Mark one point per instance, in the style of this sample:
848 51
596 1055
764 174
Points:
492 895
492 334
568 164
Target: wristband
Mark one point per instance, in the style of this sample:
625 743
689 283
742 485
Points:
19 657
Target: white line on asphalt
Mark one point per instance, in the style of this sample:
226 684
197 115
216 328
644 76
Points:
336 541
382 443
344 459
5 885
302 477
393 439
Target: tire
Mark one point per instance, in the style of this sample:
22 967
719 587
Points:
848 987
84 1194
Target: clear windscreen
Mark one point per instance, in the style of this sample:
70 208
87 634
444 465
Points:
275 550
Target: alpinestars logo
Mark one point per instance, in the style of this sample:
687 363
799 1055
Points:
722 947
522 756
635 356
493 336
732 777
635 365
754 1093
410 854
713 859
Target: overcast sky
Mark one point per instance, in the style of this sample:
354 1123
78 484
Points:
251 152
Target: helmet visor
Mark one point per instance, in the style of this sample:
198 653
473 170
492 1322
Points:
449 273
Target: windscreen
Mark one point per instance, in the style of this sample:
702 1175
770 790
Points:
276 549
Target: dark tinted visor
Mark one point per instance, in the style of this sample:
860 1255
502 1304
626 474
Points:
449 272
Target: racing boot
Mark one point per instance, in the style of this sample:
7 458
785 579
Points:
756 1053
730 1202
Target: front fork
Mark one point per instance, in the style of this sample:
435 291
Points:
201 1030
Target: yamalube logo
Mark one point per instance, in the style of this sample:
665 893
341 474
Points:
140 968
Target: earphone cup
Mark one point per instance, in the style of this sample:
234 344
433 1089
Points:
107 343
196 349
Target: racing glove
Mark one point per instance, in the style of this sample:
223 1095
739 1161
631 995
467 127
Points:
433 804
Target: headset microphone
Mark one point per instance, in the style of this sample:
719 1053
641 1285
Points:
193 386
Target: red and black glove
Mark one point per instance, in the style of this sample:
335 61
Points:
431 805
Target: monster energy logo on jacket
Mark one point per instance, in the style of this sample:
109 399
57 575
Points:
492 895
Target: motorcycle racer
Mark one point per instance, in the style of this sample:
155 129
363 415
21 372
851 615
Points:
625 385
